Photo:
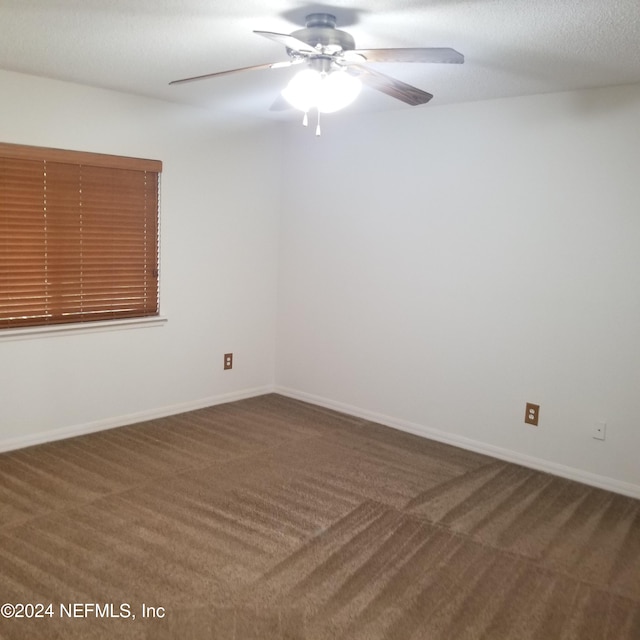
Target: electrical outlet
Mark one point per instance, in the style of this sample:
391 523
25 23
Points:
599 430
532 414
228 361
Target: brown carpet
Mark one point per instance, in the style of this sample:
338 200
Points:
273 519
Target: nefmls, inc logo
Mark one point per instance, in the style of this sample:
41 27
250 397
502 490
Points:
95 610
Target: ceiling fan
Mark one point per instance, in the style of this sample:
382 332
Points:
331 55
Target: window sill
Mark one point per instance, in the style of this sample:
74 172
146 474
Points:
80 328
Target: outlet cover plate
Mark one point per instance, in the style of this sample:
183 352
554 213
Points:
599 430
532 414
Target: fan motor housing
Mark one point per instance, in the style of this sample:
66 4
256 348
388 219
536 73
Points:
321 30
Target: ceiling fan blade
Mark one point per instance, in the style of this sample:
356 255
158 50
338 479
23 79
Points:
442 55
290 42
273 65
392 87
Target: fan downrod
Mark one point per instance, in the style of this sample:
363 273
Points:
320 20
320 29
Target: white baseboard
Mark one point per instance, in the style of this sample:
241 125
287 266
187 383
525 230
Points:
121 421
571 473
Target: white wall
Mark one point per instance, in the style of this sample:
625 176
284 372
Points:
439 267
220 194
442 266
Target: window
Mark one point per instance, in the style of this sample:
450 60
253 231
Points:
78 236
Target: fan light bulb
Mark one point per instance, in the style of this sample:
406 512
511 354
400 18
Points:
311 89
303 89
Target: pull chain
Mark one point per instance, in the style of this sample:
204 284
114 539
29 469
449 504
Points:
318 126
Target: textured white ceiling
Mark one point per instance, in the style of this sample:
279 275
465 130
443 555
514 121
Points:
512 47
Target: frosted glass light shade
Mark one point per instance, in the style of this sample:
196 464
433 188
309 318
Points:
303 90
327 92
338 90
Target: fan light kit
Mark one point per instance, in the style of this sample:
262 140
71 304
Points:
335 69
327 92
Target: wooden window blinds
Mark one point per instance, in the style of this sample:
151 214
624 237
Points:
78 236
